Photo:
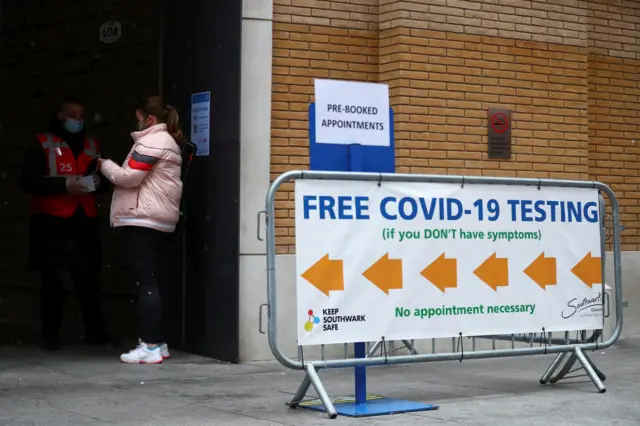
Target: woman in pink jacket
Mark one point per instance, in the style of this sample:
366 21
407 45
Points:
146 201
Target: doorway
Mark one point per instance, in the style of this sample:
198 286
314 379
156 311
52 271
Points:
57 48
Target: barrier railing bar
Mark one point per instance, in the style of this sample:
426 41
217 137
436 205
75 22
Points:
532 339
311 367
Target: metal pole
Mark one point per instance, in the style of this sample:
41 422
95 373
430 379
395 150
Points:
552 368
360 348
592 374
300 393
322 393
374 348
360 374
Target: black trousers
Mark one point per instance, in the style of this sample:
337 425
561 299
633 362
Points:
85 282
145 250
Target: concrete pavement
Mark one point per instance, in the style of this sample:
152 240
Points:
89 387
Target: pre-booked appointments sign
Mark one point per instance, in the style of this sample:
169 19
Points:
352 112
422 260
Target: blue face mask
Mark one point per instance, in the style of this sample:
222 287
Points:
73 126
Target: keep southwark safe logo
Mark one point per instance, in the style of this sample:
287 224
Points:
330 320
313 320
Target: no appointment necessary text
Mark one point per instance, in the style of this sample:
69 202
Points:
428 313
349 207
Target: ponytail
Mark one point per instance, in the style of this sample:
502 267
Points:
173 125
167 114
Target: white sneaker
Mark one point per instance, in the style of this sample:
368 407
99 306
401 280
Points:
164 351
142 355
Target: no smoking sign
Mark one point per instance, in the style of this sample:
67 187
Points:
499 132
500 122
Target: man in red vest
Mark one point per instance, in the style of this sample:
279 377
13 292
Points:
60 173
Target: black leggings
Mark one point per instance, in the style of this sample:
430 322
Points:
144 249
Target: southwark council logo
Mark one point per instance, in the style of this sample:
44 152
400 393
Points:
313 320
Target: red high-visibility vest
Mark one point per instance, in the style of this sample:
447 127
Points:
61 162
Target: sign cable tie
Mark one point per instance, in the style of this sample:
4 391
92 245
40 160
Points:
544 336
383 348
460 347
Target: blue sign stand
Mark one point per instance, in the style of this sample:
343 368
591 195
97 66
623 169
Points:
337 158
359 158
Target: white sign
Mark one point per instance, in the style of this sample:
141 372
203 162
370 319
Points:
350 112
200 121
422 260
110 32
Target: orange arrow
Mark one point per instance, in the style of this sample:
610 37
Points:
494 272
325 275
443 273
543 271
386 274
589 270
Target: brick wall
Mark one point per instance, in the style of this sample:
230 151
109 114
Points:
312 39
614 106
46 51
567 69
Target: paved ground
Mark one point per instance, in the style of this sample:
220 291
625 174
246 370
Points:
91 388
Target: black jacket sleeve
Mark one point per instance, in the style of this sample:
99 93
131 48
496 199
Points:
33 178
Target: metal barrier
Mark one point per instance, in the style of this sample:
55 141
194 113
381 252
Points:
552 345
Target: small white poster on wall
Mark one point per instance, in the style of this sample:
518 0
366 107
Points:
352 112
201 121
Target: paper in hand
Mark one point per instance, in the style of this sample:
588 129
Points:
88 182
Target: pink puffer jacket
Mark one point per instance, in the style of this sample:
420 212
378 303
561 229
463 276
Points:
148 185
